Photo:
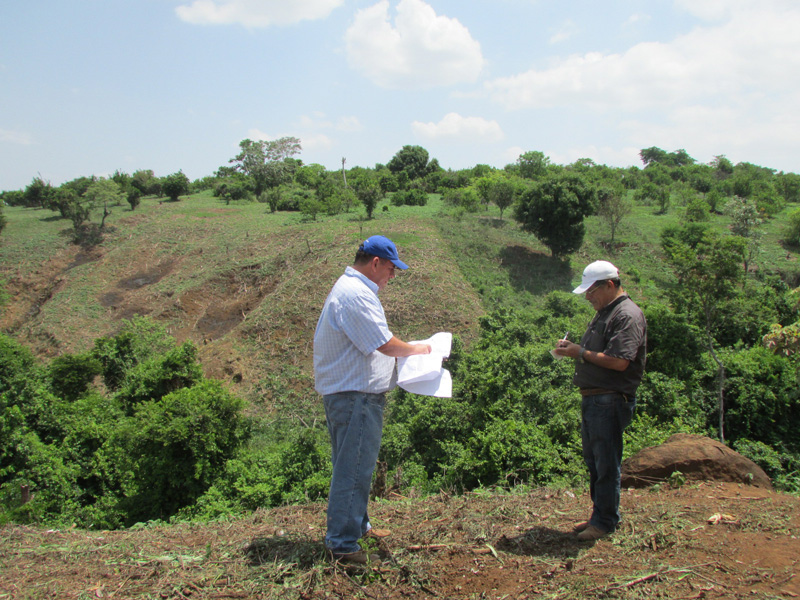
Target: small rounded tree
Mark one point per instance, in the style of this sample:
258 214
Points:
176 184
553 211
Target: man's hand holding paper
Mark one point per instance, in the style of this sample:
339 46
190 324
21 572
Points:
423 373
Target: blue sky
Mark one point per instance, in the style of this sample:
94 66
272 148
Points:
91 86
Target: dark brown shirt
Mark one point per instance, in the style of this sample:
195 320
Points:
618 330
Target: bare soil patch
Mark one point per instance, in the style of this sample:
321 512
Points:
703 540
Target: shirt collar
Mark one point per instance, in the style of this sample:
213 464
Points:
351 272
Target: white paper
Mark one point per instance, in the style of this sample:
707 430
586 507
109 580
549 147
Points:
423 373
440 387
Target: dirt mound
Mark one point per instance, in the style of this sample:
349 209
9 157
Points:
695 456
700 541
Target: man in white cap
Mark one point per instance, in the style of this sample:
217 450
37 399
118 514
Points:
609 363
354 367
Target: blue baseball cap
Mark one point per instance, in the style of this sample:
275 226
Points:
383 247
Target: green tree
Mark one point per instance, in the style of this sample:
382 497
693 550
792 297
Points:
178 446
39 193
553 210
697 209
104 192
791 233
369 193
265 162
146 182
709 273
174 185
745 222
789 186
613 206
651 192
532 165
411 160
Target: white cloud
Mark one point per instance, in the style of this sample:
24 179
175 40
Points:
454 127
420 50
255 13
756 53
257 135
315 141
16 137
567 31
348 124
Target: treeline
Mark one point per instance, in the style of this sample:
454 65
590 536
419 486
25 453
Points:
268 172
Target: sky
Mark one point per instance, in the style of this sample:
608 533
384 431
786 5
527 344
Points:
91 86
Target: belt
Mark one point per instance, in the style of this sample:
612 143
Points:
597 392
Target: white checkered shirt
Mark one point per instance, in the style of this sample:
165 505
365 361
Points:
350 329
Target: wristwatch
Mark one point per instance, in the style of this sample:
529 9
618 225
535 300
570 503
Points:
581 352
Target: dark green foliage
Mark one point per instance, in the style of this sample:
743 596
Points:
134 197
369 193
674 345
138 340
178 445
16 363
38 193
791 233
410 197
553 210
412 161
71 374
175 185
160 375
286 465
760 394
462 198
153 444
782 467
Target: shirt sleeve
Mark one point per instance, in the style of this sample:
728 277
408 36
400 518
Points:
363 321
625 337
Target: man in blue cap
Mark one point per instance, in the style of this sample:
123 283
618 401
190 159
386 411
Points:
354 367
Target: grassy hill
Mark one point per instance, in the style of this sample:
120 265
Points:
243 284
246 285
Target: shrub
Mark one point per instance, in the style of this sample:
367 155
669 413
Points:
178 445
791 234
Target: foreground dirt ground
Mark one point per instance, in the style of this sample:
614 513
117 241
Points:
702 540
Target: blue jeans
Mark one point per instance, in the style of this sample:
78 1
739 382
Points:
355 425
603 419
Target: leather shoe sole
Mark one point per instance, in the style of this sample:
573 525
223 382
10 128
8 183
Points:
377 533
355 558
591 533
580 526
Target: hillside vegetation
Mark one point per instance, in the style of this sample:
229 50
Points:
157 357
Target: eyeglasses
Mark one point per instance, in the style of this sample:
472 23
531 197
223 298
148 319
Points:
595 286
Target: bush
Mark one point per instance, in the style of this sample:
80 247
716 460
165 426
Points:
464 198
410 197
791 234
178 446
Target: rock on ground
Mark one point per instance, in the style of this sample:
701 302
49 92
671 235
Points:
697 457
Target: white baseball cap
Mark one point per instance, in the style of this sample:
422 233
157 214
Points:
599 270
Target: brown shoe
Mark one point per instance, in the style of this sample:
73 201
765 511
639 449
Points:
580 526
355 558
377 533
591 533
